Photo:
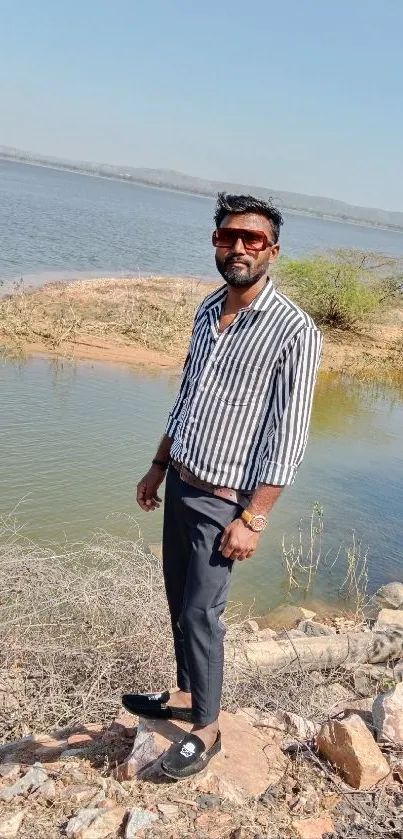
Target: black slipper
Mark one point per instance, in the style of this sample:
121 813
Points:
188 757
154 705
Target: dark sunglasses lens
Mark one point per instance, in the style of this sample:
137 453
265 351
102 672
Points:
254 240
225 237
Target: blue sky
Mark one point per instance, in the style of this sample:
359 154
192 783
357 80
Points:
304 95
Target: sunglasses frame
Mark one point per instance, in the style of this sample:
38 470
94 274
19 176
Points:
240 231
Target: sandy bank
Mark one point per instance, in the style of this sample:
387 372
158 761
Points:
147 323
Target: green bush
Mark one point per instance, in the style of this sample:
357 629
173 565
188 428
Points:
342 289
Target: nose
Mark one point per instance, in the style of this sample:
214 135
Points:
238 246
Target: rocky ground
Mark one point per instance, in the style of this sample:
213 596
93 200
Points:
337 775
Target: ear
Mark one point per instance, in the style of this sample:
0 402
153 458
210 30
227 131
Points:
274 253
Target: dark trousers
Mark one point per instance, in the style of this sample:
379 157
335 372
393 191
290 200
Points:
197 579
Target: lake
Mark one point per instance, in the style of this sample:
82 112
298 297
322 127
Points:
76 437
60 225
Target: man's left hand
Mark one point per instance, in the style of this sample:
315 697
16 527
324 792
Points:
238 541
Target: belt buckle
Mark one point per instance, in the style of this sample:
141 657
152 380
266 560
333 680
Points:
181 471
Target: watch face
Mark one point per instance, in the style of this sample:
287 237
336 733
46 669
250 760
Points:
258 523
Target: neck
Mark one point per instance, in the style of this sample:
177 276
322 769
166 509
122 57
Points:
241 297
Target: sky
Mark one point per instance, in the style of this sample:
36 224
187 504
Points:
301 95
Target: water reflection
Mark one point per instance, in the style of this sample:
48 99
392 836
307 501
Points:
75 437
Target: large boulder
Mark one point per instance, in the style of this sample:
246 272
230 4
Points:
251 759
350 746
387 713
388 619
390 596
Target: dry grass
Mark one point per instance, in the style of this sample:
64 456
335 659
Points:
149 321
81 624
155 313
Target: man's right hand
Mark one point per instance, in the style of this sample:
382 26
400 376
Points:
147 488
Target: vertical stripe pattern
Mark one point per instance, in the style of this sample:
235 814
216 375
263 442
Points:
242 413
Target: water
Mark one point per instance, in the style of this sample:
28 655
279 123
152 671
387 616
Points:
76 438
57 225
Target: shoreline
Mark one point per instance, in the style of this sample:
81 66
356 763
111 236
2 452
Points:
209 196
146 323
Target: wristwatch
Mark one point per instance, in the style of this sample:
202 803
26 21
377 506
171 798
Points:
256 523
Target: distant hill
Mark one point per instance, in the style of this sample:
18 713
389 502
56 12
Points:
164 178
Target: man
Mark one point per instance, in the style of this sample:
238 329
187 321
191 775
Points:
235 437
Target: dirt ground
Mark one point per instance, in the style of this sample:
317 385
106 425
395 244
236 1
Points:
147 323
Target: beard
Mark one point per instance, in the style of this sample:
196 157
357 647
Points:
237 276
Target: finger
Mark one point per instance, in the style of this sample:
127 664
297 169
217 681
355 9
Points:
232 547
224 541
140 497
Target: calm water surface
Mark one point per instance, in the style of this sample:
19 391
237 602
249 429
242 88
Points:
56 225
75 438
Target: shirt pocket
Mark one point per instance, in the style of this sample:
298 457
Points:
235 381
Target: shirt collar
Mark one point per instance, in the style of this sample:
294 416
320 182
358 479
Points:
261 303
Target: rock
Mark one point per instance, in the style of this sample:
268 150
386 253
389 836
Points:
290 726
366 677
390 596
287 616
361 707
331 697
266 634
249 763
10 770
79 739
388 618
95 823
251 626
170 811
47 791
314 629
124 724
32 780
10 825
313 828
350 746
205 801
298 727
138 819
387 712
80 793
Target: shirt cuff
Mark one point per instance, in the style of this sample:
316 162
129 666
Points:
278 474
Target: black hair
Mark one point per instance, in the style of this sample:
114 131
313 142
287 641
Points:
228 205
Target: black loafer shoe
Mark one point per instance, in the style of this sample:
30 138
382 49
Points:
188 757
154 705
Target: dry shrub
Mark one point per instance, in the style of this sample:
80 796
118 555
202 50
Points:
82 624
79 626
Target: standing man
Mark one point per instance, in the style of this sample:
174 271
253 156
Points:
235 437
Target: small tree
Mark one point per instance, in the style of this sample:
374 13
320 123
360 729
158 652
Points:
343 288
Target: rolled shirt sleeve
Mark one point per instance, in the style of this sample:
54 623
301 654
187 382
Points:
292 408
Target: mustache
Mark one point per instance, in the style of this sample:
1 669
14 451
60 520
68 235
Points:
234 257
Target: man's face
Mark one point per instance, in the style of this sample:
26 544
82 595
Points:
239 266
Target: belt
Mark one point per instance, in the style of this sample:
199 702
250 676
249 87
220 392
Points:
237 495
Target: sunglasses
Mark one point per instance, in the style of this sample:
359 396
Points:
252 240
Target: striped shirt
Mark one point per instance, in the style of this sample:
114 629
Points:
242 413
